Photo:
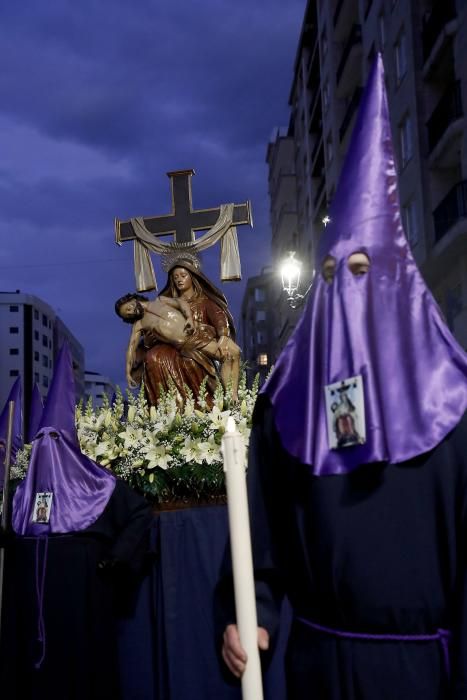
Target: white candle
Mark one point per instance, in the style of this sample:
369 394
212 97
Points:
233 450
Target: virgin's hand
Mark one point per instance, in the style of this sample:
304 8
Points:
234 654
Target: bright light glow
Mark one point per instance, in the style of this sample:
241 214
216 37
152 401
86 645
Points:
290 273
231 427
326 220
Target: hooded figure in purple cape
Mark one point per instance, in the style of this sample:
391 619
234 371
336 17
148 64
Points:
365 531
80 533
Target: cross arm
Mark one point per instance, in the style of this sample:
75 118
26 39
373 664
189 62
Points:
200 220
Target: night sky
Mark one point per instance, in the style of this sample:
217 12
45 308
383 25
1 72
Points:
99 99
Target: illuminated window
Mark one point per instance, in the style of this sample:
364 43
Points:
262 359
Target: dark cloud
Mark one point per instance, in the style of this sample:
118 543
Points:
100 99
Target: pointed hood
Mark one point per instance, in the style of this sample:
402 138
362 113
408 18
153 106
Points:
35 413
80 488
17 434
384 325
60 407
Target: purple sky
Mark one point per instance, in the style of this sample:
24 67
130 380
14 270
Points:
99 101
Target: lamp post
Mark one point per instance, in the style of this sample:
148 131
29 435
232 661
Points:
291 270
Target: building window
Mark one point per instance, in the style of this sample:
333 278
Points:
45 361
329 149
45 341
13 308
14 330
50 345
36 335
325 95
262 359
44 320
368 4
260 339
405 140
261 315
453 304
14 351
411 222
36 356
259 294
400 50
14 372
45 381
381 30
36 377
36 314
324 45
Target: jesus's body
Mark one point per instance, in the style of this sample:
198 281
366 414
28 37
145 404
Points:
171 319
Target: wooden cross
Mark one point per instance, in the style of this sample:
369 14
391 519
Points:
183 221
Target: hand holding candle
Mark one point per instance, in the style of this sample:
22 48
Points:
233 450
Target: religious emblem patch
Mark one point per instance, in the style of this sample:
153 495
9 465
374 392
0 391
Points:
42 506
345 413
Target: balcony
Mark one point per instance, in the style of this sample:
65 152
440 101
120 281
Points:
350 111
348 66
368 5
317 166
447 111
312 106
445 129
337 11
442 13
345 14
320 190
316 147
451 210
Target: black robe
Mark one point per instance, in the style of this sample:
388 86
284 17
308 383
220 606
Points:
380 551
79 605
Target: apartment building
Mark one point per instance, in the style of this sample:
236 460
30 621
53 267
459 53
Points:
424 48
257 329
31 335
97 386
282 184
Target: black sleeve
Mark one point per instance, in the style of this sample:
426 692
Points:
457 446
266 502
133 519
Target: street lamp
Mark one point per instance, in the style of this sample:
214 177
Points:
291 270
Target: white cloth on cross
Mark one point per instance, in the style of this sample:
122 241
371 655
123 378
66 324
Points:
223 231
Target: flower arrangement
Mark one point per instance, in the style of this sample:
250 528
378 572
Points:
168 452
